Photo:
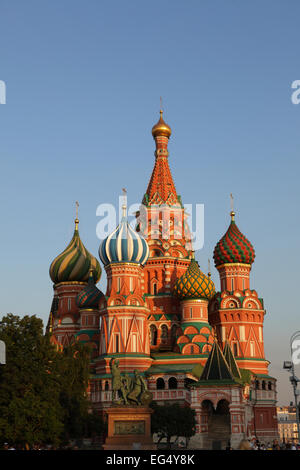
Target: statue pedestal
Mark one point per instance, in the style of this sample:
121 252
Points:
129 428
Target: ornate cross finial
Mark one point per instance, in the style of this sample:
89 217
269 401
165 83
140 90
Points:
209 273
76 220
124 205
161 104
232 213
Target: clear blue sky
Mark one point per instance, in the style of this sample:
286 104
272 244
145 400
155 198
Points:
83 85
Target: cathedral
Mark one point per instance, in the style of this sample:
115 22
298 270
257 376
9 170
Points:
162 316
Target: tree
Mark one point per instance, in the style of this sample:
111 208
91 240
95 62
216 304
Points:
169 421
29 405
73 370
43 392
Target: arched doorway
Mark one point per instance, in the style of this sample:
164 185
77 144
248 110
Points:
218 424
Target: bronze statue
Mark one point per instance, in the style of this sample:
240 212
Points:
131 390
117 383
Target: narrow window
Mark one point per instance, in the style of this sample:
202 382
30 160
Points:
155 289
133 343
69 304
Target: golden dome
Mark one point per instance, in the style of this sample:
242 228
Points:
161 128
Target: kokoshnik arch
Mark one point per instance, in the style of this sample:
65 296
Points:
162 316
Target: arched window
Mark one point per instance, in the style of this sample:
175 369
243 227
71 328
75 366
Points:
153 335
155 289
106 386
172 383
164 332
160 384
256 384
263 385
269 385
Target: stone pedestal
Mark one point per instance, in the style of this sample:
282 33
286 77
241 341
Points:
129 428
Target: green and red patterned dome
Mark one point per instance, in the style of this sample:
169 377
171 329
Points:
233 247
90 295
74 263
194 284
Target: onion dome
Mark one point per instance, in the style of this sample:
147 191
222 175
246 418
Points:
194 284
90 295
233 247
75 262
124 245
161 128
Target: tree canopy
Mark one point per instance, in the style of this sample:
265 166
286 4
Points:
43 392
169 421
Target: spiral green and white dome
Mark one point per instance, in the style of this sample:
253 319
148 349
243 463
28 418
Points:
75 262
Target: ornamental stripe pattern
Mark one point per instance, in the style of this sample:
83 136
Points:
89 297
233 247
74 263
124 245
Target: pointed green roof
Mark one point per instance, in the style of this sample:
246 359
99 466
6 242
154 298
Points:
216 367
228 354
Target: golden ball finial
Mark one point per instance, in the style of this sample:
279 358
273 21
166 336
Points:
161 128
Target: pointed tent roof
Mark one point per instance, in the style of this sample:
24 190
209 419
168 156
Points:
161 188
216 367
230 359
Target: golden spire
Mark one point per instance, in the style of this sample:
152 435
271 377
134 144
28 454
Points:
161 128
232 213
76 220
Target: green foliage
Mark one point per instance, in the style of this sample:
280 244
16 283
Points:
29 407
169 421
43 392
246 376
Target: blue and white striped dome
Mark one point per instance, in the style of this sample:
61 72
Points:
124 245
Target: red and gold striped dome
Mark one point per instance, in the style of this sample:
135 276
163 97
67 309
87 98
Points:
233 247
